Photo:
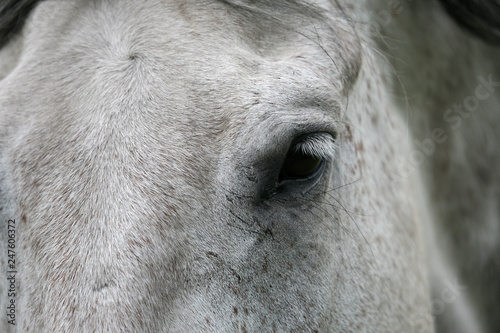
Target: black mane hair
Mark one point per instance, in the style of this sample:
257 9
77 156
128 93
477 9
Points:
13 13
481 17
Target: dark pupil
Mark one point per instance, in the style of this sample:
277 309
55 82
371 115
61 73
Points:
298 165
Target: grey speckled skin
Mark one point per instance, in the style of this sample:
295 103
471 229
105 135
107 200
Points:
141 144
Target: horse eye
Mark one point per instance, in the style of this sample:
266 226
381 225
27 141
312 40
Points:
298 165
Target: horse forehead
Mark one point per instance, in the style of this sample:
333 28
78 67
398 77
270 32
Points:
200 44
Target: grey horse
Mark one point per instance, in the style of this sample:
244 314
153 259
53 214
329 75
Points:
249 166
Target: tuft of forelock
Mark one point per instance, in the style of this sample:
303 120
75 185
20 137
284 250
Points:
481 17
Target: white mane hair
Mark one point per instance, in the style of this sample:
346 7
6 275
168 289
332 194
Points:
249 166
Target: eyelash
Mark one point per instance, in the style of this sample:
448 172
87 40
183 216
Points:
319 145
306 157
302 176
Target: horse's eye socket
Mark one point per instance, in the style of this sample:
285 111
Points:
299 166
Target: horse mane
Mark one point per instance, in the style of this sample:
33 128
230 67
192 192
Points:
13 14
481 17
